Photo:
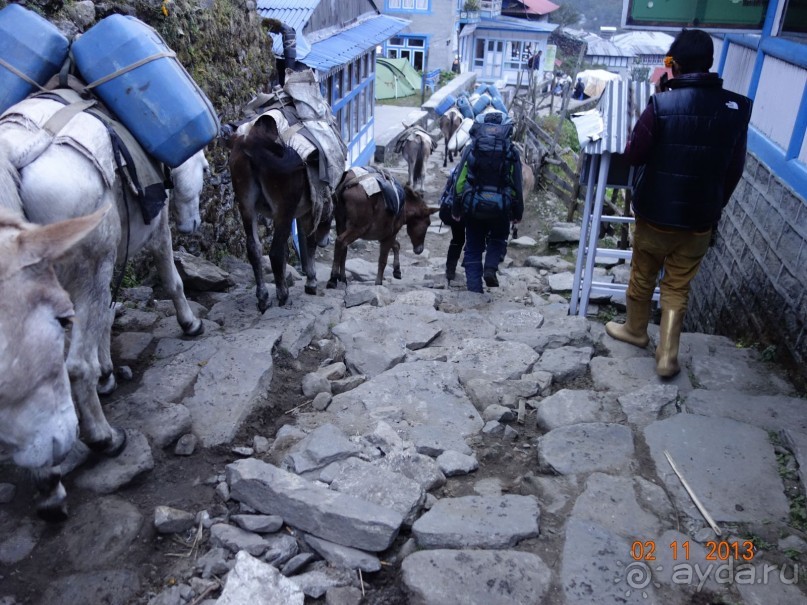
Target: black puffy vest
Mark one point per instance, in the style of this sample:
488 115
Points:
697 126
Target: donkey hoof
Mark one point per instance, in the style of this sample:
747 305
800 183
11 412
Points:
331 284
396 273
52 512
311 290
195 328
111 447
282 298
106 384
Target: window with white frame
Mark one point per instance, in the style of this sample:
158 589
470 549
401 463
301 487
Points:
422 6
411 48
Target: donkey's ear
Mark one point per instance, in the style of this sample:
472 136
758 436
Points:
51 242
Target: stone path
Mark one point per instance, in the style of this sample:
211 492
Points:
412 465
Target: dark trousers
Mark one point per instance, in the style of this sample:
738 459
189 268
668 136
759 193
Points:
488 238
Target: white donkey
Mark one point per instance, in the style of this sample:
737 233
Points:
71 174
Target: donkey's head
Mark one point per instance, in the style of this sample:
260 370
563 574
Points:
188 181
38 422
417 217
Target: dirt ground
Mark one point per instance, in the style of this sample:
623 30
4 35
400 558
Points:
188 483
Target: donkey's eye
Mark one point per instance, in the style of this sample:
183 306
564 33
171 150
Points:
65 320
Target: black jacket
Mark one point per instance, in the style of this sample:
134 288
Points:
697 126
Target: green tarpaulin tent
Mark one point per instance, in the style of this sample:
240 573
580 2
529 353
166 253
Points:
395 78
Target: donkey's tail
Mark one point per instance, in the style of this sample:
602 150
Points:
417 172
9 181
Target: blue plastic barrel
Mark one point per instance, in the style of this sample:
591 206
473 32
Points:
157 100
481 103
464 105
499 104
445 104
32 46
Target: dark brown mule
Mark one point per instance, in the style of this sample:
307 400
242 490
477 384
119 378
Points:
270 178
359 216
450 122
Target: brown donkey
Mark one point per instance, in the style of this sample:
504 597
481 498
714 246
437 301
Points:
360 215
450 122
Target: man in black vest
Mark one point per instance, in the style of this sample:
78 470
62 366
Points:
689 145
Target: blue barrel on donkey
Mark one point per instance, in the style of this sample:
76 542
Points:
139 78
32 51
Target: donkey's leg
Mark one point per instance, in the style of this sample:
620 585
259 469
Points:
343 240
308 248
446 155
278 254
164 256
396 261
91 268
106 383
247 194
383 254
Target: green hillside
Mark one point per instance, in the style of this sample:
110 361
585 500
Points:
590 14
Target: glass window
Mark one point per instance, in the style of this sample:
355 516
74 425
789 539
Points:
794 18
417 41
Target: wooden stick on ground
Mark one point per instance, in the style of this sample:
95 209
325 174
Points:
692 495
522 410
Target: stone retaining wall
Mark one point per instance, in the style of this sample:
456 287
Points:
752 282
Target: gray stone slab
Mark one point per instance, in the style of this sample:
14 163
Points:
419 467
485 391
18 538
621 350
99 532
316 582
562 332
567 407
498 359
564 232
320 511
434 440
171 379
769 584
259 524
475 577
583 448
254 582
516 323
135 320
200 274
298 331
731 467
797 441
108 475
238 373
128 347
110 586
410 394
362 270
561 282
720 373
565 363
343 595
325 444
169 520
380 486
459 323
554 264
769 412
644 405
596 568
453 463
478 522
625 375
631 507
687 571
236 539
163 423
344 556
553 492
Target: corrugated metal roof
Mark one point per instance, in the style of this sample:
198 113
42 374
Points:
605 48
515 24
618 121
348 44
294 13
541 7
644 43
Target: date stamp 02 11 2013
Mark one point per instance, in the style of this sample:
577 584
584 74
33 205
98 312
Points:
716 550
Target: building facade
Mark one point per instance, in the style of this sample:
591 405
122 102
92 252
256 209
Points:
753 283
338 41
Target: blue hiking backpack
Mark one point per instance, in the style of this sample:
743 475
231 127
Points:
489 162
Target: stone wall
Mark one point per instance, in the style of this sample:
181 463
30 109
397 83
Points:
751 285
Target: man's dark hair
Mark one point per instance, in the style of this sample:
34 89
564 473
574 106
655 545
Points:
693 51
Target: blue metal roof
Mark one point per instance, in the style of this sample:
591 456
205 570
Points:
294 13
343 47
515 24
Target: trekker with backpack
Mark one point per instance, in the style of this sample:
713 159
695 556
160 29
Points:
488 197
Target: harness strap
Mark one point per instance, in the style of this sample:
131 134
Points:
161 55
19 74
60 119
288 134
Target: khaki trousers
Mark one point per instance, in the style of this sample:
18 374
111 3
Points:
679 252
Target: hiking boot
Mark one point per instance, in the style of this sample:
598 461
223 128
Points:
453 256
634 330
669 336
491 281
